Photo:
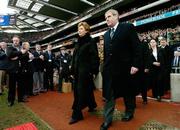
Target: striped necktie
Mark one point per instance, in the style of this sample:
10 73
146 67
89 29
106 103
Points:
112 33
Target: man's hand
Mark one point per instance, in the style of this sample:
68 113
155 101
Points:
70 67
72 76
15 58
41 57
146 70
156 63
134 70
31 56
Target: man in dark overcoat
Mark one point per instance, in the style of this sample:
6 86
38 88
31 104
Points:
121 64
63 63
14 53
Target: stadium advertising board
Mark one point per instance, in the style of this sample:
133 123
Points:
7 20
156 18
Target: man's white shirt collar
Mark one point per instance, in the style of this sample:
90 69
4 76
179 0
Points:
115 27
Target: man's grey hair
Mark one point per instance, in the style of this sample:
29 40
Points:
113 11
1 43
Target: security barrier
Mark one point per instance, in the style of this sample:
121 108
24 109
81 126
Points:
175 85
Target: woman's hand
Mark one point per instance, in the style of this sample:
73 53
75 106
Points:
134 70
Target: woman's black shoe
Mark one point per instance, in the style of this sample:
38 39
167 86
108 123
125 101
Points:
23 100
105 126
72 121
159 98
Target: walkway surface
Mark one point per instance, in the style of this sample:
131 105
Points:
55 109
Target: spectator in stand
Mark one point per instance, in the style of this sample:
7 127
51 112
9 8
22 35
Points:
63 65
14 53
156 70
101 57
49 59
144 69
23 71
38 70
175 53
29 75
167 64
3 65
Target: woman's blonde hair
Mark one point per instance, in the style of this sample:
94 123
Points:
85 25
26 43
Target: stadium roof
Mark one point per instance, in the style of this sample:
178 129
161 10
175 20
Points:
38 15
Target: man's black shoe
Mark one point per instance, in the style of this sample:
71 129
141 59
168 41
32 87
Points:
92 110
159 98
72 121
127 117
144 102
10 104
23 100
42 91
105 126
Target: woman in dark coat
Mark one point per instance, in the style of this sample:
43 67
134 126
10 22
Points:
156 70
85 65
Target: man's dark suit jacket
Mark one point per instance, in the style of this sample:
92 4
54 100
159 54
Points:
13 65
38 64
3 60
49 61
120 54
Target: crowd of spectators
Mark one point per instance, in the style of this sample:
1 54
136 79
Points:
34 37
156 13
134 5
171 34
29 36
